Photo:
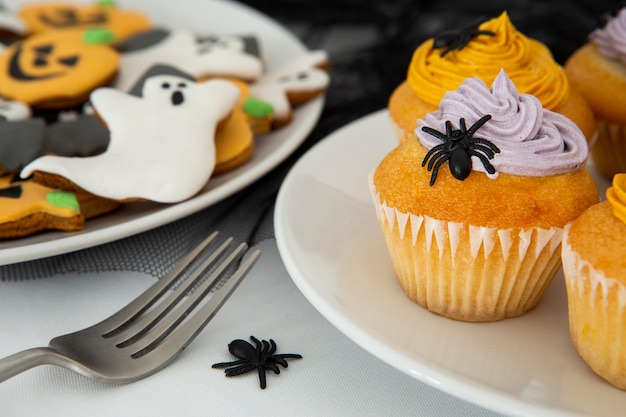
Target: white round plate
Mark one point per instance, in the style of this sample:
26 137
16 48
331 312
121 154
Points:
329 239
278 46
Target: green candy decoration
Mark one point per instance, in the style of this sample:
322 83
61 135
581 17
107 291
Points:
257 108
60 198
106 3
98 36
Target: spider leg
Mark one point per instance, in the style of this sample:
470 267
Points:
484 149
434 133
478 125
272 347
435 158
431 152
448 129
272 367
485 142
227 364
490 169
239 370
433 177
288 356
262 380
266 347
462 126
282 362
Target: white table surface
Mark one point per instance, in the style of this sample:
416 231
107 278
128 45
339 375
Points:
336 377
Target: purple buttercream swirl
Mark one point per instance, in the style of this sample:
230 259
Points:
611 39
533 141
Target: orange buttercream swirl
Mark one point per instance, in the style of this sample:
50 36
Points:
616 195
527 62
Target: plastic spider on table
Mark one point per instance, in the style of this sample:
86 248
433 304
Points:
457 148
262 358
458 38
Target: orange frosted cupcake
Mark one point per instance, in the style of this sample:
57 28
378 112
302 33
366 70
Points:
442 63
473 207
598 71
594 265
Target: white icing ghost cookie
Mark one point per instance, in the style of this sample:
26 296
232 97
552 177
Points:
161 145
201 56
292 84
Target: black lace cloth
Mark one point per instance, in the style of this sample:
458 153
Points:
370 45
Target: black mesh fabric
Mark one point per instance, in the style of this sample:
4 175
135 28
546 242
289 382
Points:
370 45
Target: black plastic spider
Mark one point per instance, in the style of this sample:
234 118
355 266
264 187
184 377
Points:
261 358
458 38
458 147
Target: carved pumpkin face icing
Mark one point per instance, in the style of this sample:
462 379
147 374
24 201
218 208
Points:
55 69
61 16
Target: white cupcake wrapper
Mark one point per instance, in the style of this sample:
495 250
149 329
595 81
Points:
469 272
597 316
446 232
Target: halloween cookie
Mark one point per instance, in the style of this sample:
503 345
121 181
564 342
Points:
27 208
76 134
293 84
167 155
200 56
55 70
46 17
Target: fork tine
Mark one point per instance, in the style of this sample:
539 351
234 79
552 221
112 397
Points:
134 329
186 333
116 322
160 331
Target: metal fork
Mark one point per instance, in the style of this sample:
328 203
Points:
147 334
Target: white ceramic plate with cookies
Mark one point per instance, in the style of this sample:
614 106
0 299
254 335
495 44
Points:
278 47
332 246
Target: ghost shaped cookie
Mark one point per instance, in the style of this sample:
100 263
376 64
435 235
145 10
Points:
161 147
291 85
201 56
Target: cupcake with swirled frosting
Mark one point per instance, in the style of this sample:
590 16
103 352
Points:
481 50
473 207
598 71
594 266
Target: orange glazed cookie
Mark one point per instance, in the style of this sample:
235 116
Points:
594 265
27 208
55 70
473 207
442 63
45 17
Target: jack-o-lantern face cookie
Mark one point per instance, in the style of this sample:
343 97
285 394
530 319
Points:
55 70
27 208
45 17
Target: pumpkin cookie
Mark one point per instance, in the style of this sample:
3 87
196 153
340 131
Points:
27 208
47 17
55 70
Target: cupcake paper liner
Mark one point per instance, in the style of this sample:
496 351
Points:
597 316
609 149
467 272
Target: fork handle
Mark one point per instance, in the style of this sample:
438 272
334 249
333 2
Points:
26 359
